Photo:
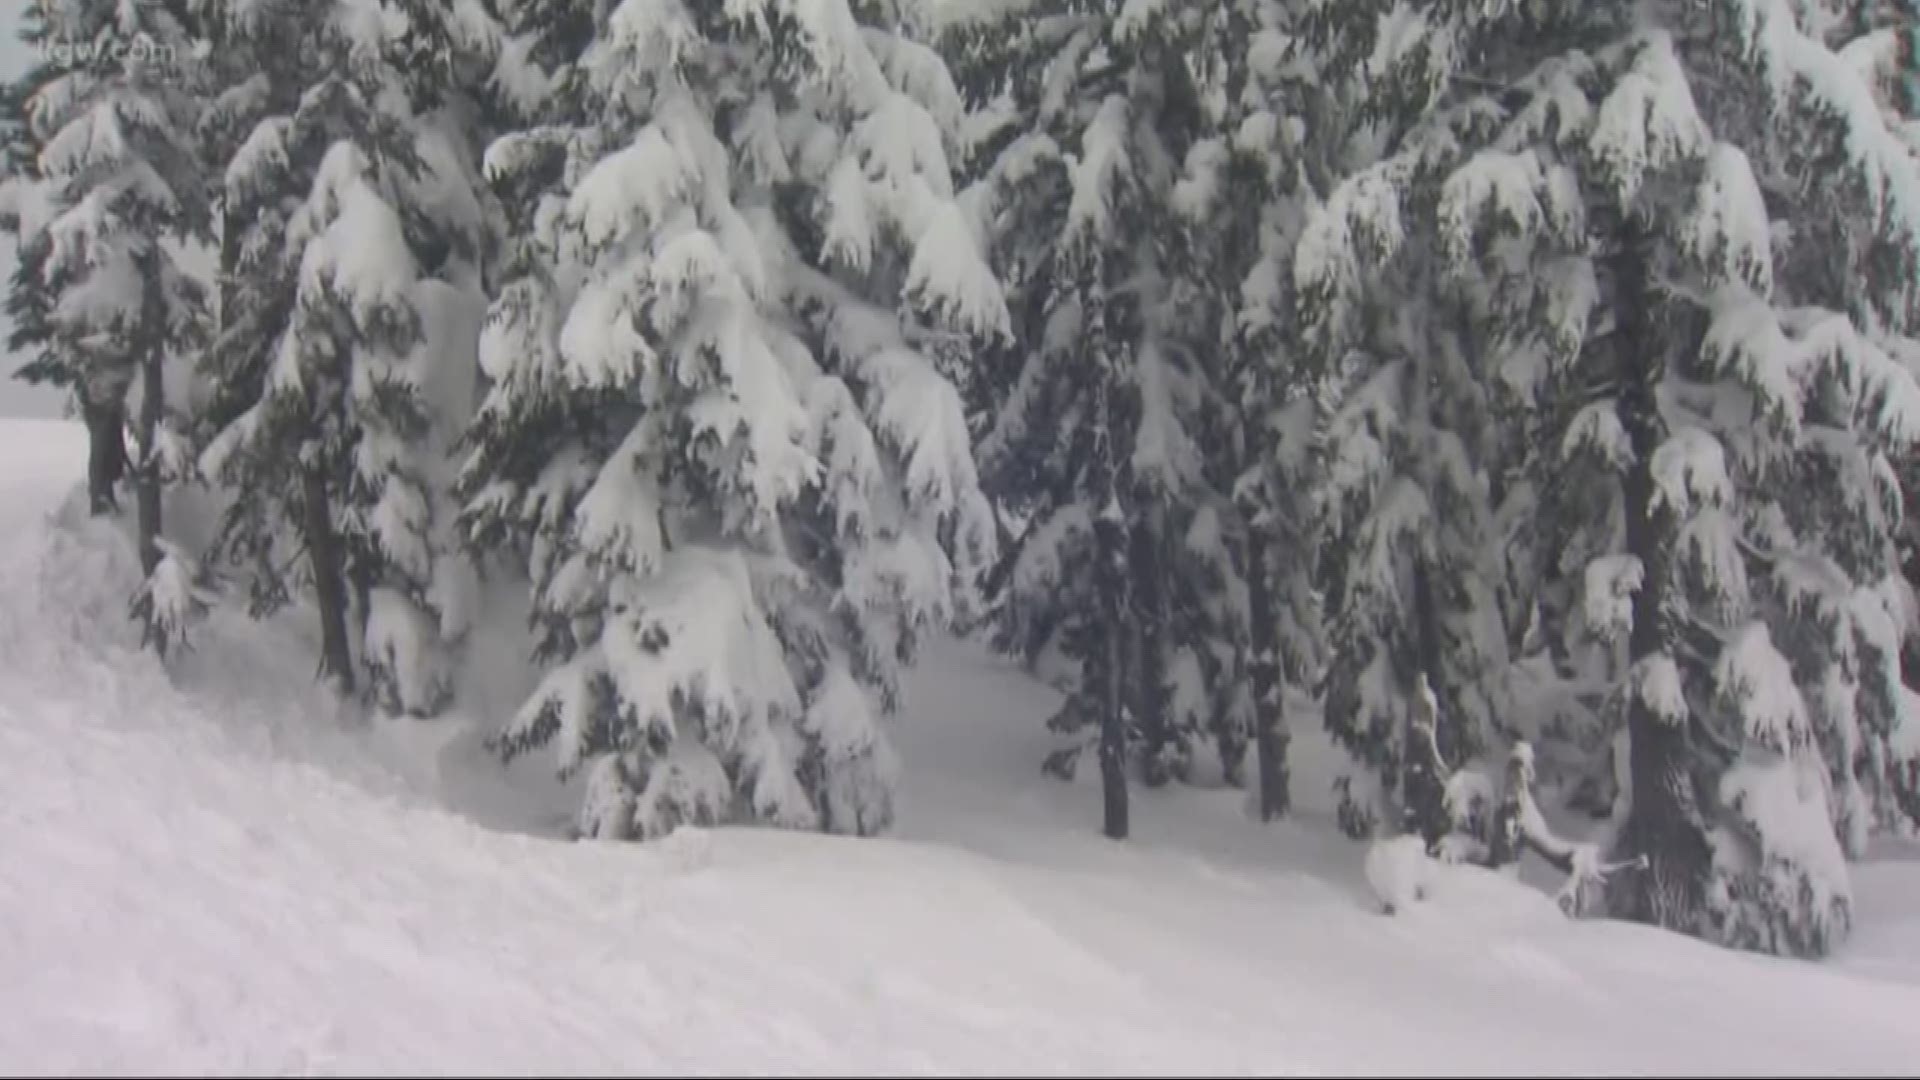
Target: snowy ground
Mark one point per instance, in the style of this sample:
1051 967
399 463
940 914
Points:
209 874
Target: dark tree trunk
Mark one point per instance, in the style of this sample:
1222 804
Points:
1424 787
1263 670
1112 552
146 476
362 607
1113 743
105 416
229 266
1664 822
146 473
1148 625
329 582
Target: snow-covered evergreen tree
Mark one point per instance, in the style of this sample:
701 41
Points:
1113 435
1833 585
463 82
349 319
1412 577
1242 198
1695 223
717 427
1881 40
107 191
25 203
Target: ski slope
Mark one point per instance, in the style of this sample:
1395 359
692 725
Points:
211 873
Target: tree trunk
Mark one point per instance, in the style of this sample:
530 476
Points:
229 267
1263 670
146 477
329 582
146 473
1111 538
1423 788
1113 741
1147 622
1664 822
362 608
105 416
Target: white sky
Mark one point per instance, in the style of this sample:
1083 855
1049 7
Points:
16 398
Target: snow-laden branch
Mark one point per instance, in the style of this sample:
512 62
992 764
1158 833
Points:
1518 825
1584 863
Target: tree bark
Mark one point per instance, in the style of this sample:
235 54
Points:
362 608
146 473
1111 538
146 476
329 581
1423 788
1263 670
229 267
1664 822
105 416
1113 743
1147 623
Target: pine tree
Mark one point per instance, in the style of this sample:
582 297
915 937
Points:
1611 183
1110 434
1882 39
1849 279
718 430
1249 191
25 203
105 198
462 81
352 234
1411 576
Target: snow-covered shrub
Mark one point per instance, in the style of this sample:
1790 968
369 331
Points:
1399 871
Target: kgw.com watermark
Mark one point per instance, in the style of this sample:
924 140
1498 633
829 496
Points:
140 50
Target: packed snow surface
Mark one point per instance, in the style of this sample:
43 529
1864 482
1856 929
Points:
210 872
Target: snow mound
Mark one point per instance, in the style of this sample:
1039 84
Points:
1400 872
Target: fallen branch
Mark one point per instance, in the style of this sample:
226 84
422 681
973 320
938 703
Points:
1581 862
1518 825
